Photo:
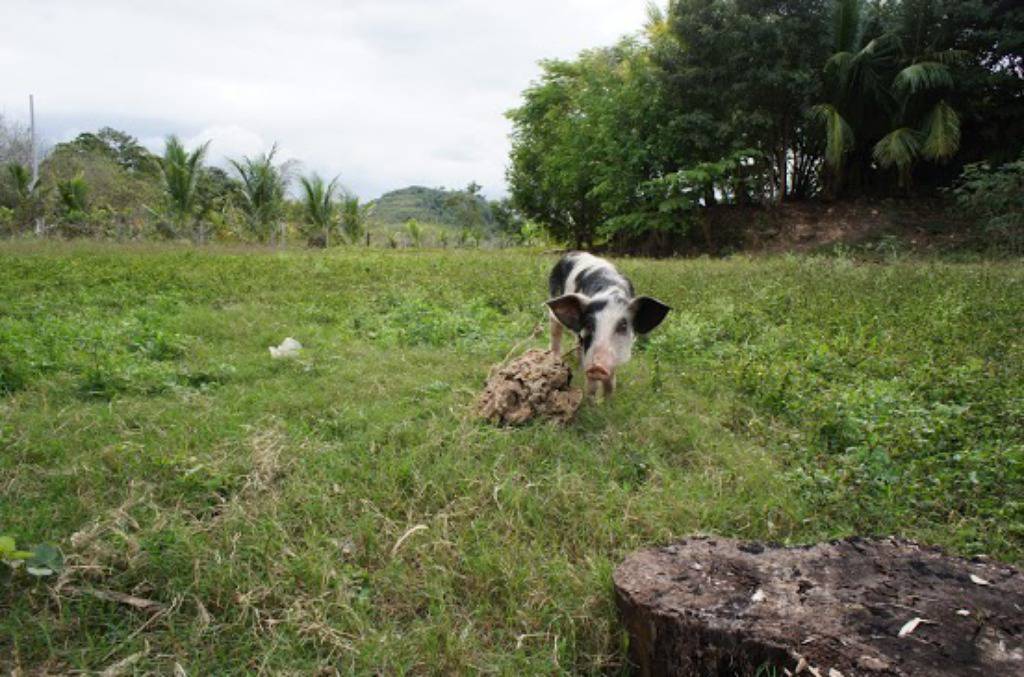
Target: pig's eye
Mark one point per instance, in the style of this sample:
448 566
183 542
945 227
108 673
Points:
622 326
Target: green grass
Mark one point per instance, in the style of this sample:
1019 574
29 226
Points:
146 431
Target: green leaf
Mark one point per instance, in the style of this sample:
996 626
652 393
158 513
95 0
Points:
899 148
7 546
46 560
941 132
922 76
838 133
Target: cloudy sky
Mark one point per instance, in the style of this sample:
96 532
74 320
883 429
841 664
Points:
386 93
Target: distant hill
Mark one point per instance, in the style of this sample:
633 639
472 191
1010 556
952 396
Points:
431 205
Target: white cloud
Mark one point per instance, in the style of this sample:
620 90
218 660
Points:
383 92
228 141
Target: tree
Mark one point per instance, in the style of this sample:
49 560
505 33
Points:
549 178
415 230
73 194
121 147
469 209
181 172
29 198
121 202
263 186
709 104
990 84
889 101
740 74
319 204
217 197
507 219
354 218
73 204
15 143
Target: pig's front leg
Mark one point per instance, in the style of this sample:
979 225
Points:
608 387
556 336
590 385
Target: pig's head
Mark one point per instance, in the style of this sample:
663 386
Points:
607 326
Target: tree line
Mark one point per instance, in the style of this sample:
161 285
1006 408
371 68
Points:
756 102
106 184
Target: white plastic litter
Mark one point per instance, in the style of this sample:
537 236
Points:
909 626
288 348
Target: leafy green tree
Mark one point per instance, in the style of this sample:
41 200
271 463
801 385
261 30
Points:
889 94
319 205
507 219
415 231
355 217
121 202
469 209
263 187
217 197
989 88
73 204
73 194
682 194
29 198
739 74
119 146
549 178
593 136
181 171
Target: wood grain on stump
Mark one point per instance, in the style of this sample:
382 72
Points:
707 606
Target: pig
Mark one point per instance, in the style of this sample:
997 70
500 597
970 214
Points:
597 303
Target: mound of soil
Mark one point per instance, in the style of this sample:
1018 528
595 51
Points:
857 607
533 385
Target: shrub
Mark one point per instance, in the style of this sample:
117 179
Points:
995 197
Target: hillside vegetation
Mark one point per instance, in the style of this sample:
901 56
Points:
345 509
430 205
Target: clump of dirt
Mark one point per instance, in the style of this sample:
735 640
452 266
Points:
531 386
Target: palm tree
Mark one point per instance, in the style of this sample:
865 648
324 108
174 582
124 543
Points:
263 191
888 96
355 218
320 206
73 195
30 198
180 171
415 230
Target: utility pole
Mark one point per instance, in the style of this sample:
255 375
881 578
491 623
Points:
35 156
32 128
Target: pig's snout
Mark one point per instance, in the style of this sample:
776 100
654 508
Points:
602 365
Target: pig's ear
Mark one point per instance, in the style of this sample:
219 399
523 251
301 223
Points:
569 310
647 313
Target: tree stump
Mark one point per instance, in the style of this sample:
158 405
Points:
710 606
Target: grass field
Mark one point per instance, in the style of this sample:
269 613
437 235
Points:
274 509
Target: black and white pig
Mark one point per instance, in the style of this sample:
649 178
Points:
597 303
